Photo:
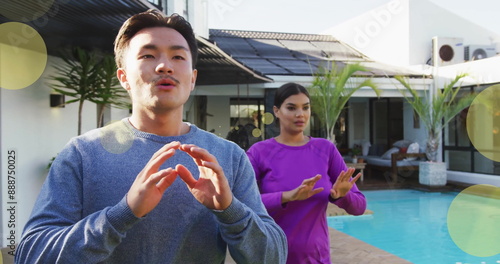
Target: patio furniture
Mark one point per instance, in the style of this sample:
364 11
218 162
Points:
399 164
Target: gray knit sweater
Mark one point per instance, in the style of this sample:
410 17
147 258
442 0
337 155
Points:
81 214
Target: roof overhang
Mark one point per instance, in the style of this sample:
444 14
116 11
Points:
93 24
90 24
217 67
291 54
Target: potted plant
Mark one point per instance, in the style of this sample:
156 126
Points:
108 90
331 89
89 76
356 152
77 78
435 110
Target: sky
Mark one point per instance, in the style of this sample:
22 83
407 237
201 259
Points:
315 16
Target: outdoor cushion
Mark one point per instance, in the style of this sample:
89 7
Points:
413 148
387 154
402 143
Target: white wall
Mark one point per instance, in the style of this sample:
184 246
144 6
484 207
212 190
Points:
400 32
199 16
36 132
473 178
381 33
412 133
195 11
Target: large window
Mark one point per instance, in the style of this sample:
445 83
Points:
246 119
459 152
157 3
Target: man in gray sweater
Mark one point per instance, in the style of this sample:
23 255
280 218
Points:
151 188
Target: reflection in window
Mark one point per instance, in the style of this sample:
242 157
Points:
485 165
459 160
456 132
246 119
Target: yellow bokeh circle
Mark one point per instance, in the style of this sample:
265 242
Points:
25 10
267 118
116 137
256 132
23 53
474 220
483 122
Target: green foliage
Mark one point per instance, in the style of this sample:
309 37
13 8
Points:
331 89
50 163
108 90
89 76
76 78
356 150
436 110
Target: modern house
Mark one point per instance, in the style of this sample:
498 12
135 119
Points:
238 73
422 35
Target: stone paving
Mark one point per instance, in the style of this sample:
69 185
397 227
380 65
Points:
345 249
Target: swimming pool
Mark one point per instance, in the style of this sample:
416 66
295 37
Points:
410 224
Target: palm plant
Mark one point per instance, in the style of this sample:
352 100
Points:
88 76
108 90
331 89
77 77
437 110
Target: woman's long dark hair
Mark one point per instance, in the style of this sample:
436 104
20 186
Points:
287 90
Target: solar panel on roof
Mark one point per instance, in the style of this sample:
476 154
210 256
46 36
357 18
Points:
235 46
302 49
264 66
270 48
296 66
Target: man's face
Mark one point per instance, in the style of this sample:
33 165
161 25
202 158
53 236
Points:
158 70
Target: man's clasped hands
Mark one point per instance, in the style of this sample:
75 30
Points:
211 189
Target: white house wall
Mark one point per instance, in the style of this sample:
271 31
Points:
428 20
484 71
376 30
400 32
36 132
195 11
415 134
473 178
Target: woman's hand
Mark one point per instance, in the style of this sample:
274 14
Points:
343 184
304 191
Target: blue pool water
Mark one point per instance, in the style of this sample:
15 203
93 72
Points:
410 224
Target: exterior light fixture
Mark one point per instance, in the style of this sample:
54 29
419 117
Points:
57 100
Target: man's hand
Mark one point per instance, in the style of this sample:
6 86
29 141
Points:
304 191
212 188
343 184
149 186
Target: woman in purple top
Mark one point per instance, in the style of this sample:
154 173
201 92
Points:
298 175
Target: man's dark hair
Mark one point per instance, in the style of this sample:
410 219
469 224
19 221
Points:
153 18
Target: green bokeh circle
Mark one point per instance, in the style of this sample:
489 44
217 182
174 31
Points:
474 220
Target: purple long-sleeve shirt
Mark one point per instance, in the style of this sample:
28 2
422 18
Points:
279 168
